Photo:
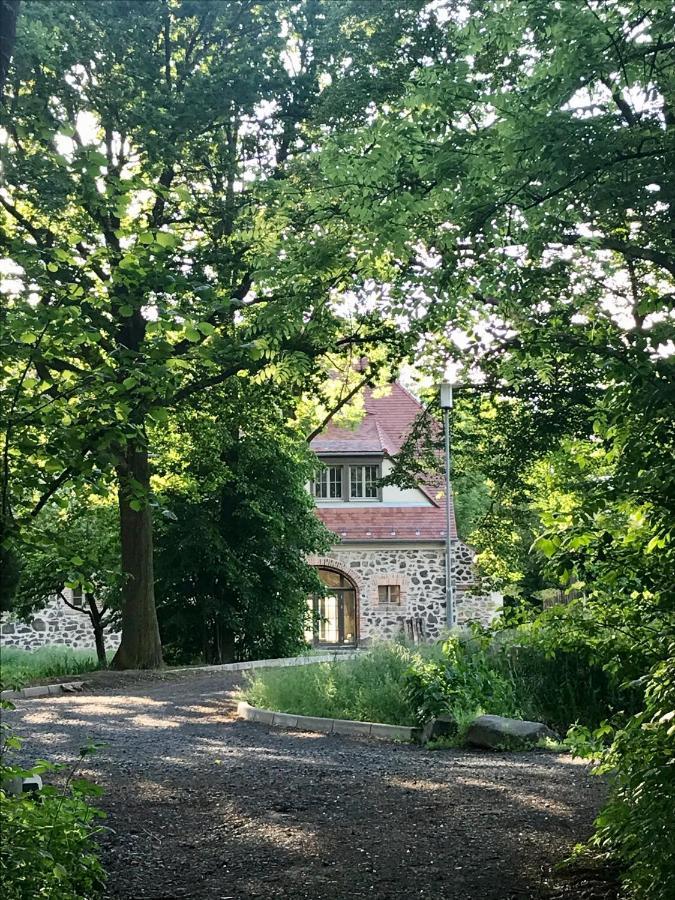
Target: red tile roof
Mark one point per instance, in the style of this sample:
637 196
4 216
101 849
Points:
386 523
389 416
383 428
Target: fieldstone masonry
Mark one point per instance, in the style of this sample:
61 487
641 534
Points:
54 625
419 571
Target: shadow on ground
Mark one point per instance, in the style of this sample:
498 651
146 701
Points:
203 806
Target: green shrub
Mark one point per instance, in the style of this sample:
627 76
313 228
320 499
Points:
560 682
18 666
637 826
463 680
48 846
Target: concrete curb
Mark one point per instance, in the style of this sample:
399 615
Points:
70 687
44 690
327 726
282 662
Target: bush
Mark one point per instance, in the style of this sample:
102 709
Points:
562 682
18 666
48 844
637 825
463 680
367 689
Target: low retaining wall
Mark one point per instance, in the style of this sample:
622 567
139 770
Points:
326 726
43 690
280 663
57 625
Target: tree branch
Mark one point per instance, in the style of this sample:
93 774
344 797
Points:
338 406
630 251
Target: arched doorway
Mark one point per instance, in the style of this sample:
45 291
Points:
335 613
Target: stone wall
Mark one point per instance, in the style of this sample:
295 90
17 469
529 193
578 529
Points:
419 571
55 625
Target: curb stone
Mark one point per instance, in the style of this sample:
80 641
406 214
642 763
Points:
70 687
327 726
44 690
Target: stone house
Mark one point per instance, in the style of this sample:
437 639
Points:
386 574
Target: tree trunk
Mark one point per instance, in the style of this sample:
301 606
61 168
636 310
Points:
9 13
96 616
140 647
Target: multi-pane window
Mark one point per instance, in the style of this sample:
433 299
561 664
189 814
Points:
363 482
389 594
328 483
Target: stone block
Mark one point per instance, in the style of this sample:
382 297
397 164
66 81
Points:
393 732
37 691
285 720
443 726
501 733
348 726
315 723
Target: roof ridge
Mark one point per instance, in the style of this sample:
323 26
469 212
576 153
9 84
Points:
409 394
384 437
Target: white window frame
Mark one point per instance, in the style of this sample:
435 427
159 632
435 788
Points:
324 481
361 468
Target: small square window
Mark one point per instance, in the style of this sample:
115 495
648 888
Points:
389 594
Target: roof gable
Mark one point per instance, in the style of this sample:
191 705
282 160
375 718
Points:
387 420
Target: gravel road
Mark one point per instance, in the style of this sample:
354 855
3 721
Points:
207 807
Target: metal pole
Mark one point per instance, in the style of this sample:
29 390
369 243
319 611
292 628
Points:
449 587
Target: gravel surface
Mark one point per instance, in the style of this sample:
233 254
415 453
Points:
204 806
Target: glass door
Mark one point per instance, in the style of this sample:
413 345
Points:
335 612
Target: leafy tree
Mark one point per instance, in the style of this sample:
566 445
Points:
162 232
526 184
238 524
75 546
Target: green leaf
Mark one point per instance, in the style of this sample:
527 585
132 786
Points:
165 239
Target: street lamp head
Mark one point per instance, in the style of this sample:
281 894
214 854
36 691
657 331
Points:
446 395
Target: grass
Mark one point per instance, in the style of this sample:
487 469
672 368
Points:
520 676
367 689
20 666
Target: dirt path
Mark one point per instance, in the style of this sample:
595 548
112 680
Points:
203 806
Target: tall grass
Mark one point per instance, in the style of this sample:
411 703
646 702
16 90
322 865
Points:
561 686
368 689
20 666
519 674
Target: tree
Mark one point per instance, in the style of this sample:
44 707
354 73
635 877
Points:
162 235
76 546
526 183
238 524
9 13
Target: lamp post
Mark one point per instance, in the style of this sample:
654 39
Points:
446 406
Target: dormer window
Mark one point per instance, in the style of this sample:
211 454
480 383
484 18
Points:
352 480
363 482
328 483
